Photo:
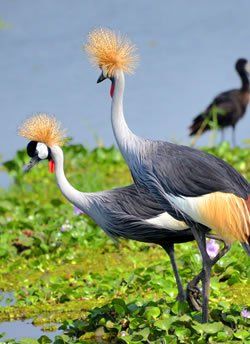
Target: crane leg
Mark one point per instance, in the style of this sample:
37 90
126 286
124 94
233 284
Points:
193 292
200 238
169 248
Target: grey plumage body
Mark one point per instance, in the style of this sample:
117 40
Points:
169 169
122 212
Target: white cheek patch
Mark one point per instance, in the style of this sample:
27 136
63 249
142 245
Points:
42 150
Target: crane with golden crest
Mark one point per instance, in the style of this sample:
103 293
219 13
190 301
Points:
193 186
127 212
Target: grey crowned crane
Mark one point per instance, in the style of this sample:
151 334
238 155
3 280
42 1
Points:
227 108
195 187
122 212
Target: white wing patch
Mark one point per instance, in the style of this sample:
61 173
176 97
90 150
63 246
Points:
189 206
167 221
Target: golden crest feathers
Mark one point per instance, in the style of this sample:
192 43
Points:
111 51
43 128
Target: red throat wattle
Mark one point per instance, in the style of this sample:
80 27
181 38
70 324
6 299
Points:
112 88
51 166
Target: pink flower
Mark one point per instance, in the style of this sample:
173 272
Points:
212 248
77 211
245 313
66 227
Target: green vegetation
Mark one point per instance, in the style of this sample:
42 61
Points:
63 269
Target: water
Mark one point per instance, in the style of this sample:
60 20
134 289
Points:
24 329
7 298
187 51
19 329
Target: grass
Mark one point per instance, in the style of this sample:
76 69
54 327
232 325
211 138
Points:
62 268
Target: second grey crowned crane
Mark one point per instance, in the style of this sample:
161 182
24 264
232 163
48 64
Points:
193 186
121 212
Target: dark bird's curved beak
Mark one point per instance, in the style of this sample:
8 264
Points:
101 78
34 161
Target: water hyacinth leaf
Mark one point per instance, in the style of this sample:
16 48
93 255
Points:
152 312
145 333
182 333
120 302
61 340
86 336
222 336
44 340
136 339
180 307
163 324
171 292
27 341
242 334
109 324
210 328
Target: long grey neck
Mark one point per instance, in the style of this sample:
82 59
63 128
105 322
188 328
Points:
77 198
244 81
127 141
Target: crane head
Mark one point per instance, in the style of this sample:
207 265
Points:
37 151
105 76
242 65
111 51
43 131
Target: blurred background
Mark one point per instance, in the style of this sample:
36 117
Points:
187 55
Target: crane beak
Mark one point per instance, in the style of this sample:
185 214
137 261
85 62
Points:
34 161
101 78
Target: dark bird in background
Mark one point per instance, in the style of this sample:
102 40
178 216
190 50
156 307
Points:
227 108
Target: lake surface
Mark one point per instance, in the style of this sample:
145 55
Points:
7 298
187 54
24 329
18 329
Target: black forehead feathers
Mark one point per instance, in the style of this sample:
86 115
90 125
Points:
31 148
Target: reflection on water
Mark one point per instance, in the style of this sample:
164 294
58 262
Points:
20 329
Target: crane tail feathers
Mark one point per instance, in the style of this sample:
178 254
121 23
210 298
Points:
198 126
228 214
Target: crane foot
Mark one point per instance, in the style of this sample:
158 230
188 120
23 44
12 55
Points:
194 296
